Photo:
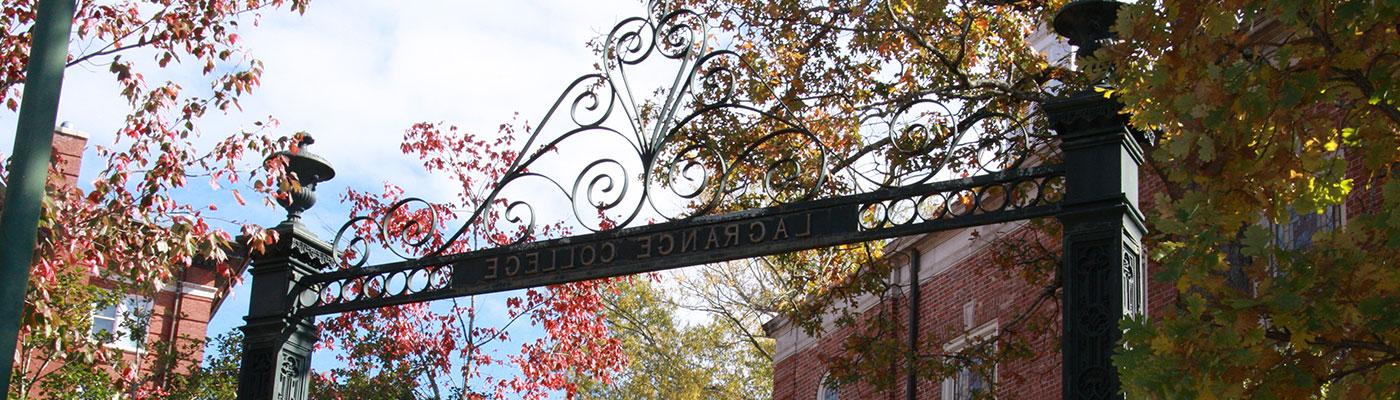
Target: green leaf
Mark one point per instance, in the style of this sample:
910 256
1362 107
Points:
1287 302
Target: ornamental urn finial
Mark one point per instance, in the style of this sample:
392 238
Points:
1087 23
304 170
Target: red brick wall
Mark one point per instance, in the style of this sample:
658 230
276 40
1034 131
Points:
999 295
186 326
68 145
1366 196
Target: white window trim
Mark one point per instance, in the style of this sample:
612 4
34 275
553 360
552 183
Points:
186 288
822 387
121 325
193 289
987 330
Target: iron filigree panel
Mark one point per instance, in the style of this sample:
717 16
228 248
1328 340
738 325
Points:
705 140
712 137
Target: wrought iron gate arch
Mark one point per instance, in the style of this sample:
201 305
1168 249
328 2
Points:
826 203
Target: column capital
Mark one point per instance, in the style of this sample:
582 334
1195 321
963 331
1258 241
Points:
1083 113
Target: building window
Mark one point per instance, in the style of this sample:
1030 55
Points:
974 379
1297 230
1297 233
969 383
829 389
122 325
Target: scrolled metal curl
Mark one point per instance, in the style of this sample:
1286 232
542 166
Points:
680 33
415 233
524 218
603 191
586 101
717 79
688 166
352 247
631 41
691 175
782 176
356 252
684 151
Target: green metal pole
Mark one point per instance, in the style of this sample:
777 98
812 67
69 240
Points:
19 222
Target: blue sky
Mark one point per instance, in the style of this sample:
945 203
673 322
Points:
355 74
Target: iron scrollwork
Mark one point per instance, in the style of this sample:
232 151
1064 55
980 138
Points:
699 145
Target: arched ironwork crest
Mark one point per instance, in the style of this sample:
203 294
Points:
713 133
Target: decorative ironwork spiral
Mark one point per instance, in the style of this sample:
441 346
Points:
686 148
717 79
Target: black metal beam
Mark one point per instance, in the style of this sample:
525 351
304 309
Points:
696 241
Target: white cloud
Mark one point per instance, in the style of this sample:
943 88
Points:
357 73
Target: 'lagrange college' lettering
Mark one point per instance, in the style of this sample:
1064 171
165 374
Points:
662 244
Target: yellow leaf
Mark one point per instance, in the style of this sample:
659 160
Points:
1162 345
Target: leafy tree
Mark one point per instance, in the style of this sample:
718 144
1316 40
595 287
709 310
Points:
128 233
1262 111
675 359
1293 113
217 377
131 232
439 350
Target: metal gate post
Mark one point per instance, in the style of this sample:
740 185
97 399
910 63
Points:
19 220
277 344
1102 270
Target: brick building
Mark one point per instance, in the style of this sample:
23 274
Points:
179 313
964 295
